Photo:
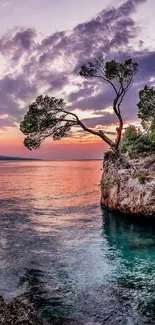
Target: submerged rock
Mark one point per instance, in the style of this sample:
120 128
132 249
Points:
128 186
17 313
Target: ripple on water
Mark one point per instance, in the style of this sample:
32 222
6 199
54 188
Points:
60 251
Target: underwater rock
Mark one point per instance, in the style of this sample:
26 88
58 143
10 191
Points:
17 313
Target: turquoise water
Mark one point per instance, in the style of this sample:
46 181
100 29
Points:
60 251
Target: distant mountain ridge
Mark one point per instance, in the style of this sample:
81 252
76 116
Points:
17 158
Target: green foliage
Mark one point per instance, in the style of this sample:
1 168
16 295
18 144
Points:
141 178
135 143
120 77
146 105
130 136
146 110
46 117
152 131
122 73
31 143
142 143
106 183
131 133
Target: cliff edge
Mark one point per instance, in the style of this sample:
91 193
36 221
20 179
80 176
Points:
128 186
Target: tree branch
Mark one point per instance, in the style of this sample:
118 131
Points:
96 76
98 133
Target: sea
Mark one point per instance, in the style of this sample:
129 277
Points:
74 261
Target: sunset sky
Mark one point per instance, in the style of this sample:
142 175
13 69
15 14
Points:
42 45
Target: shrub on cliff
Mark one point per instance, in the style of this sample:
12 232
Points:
141 142
135 143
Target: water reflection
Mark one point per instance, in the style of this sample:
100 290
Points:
135 241
65 255
133 238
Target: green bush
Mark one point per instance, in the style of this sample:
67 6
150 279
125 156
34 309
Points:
136 144
106 183
141 178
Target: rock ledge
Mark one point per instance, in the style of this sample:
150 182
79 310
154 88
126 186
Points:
128 186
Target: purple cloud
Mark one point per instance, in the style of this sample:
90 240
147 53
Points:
49 65
15 44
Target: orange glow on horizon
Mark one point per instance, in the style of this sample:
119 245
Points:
79 144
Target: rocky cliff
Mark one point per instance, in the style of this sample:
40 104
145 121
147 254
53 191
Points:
128 185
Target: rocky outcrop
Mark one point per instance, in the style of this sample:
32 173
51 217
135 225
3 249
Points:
128 185
17 313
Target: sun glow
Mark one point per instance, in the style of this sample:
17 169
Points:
85 114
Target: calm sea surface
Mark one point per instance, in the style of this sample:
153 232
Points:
64 254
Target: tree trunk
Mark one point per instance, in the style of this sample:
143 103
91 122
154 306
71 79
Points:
119 133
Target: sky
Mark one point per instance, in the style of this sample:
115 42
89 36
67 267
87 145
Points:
43 43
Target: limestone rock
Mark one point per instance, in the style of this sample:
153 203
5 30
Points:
128 185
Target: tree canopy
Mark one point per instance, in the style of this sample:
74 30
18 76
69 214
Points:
47 116
146 107
138 141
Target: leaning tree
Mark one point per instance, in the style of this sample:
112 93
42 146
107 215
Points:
47 116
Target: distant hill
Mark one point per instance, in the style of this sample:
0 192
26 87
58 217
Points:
17 158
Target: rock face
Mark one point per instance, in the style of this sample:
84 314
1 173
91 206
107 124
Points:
128 186
17 313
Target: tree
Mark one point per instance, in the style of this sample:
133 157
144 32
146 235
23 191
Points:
141 142
136 143
47 115
119 76
146 107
